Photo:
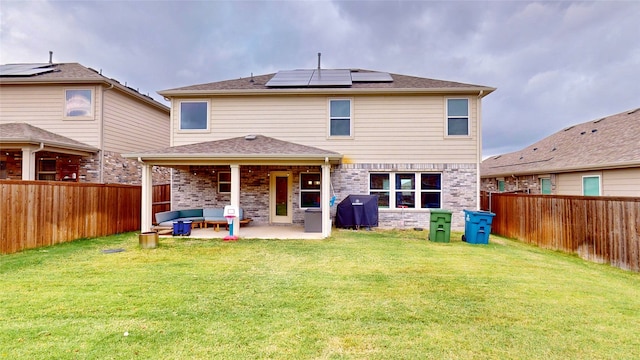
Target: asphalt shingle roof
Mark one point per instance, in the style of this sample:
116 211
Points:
22 132
610 142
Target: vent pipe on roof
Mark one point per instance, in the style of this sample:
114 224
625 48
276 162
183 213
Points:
50 57
319 54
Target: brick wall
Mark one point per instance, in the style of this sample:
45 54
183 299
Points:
119 170
529 184
197 187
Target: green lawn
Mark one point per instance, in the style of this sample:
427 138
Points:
357 295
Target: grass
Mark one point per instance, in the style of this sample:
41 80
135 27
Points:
357 295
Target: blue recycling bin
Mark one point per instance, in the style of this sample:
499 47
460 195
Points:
182 228
477 226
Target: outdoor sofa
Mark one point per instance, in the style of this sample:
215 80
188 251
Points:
198 217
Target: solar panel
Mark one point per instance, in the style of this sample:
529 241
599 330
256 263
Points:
331 78
292 78
371 77
25 69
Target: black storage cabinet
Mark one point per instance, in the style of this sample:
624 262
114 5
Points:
357 211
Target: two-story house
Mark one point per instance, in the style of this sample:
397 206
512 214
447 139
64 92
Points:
600 157
279 144
67 122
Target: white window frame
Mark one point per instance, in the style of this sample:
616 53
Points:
92 106
329 118
302 190
447 116
599 184
417 190
208 120
220 182
542 187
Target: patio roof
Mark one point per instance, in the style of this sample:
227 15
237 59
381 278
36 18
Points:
250 149
18 134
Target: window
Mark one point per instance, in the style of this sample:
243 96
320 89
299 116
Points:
591 185
545 186
78 104
340 118
194 115
457 117
224 182
310 190
408 190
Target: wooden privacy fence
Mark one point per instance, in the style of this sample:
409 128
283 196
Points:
161 198
600 229
42 213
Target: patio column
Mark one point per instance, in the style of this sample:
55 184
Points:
235 195
147 198
28 164
326 199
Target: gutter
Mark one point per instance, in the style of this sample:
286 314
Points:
616 166
484 91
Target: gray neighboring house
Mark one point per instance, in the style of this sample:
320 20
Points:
278 145
67 122
600 157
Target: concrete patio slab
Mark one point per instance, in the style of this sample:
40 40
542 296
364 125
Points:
257 232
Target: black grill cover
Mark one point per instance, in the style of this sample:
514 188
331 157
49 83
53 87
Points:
357 210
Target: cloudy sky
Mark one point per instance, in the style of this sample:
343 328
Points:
555 63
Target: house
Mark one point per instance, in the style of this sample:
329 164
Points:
67 122
280 144
598 157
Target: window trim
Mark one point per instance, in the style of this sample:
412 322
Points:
208 118
446 117
92 114
599 184
301 190
542 187
329 118
417 190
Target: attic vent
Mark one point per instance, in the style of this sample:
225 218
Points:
597 121
250 137
633 111
569 128
534 149
497 157
582 133
594 130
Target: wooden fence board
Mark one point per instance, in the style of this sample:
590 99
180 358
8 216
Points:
600 229
42 213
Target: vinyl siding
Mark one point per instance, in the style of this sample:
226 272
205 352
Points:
387 129
130 125
622 182
43 106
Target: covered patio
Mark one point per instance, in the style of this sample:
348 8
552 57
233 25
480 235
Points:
265 177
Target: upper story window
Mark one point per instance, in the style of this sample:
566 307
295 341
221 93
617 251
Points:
194 115
457 117
591 185
78 104
340 123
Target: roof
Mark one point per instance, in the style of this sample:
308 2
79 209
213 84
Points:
610 142
66 73
257 85
250 148
20 133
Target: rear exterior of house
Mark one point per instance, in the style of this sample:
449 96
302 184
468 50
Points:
66 122
597 158
413 142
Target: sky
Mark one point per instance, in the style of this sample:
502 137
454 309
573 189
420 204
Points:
554 63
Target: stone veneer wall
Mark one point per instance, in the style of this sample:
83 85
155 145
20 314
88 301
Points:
196 187
529 184
119 170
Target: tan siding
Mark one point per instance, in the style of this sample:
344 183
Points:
623 182
130 125
390 129
43 106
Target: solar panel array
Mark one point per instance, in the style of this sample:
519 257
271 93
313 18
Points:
324 77
25 69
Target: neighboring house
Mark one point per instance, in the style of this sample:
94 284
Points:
66 122
598 157
280 144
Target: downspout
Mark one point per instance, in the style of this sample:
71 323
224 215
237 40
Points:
479 146
102 132
31 163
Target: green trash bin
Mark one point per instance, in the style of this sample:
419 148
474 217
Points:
440 225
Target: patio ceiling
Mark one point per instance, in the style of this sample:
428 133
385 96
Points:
246 150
